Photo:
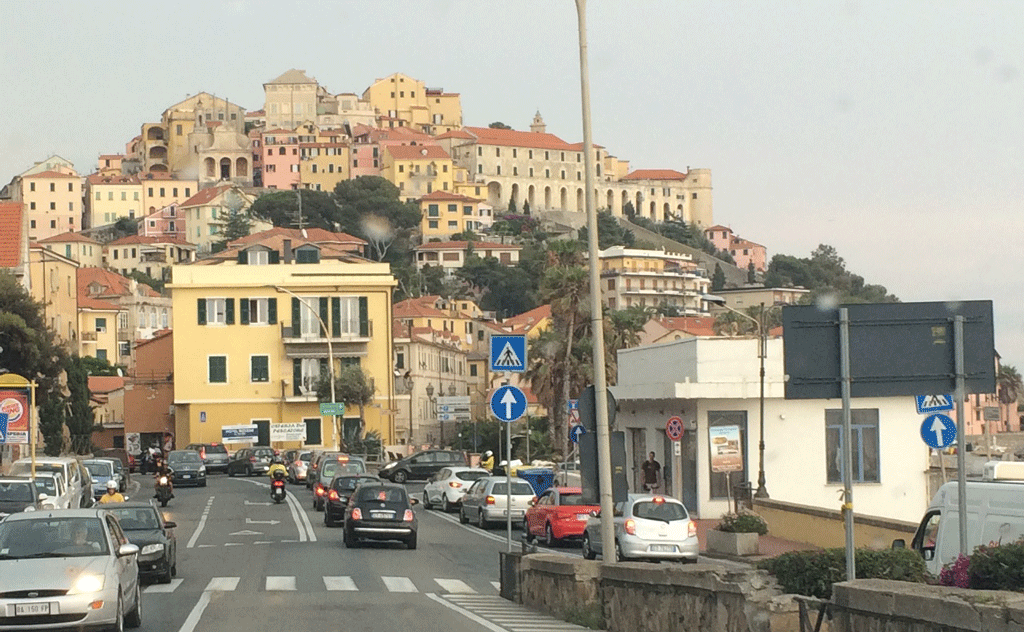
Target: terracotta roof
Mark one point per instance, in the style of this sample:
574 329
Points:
693 325
156 336
293 76
313 236
64 238
10 234
102 178
109 156
51 174
738 242
527 320
105 383
718 227
414 308
140 239
205 196
456 133
655 174
417 152
514 138
114 286
444 195
462 245
255 113
279 130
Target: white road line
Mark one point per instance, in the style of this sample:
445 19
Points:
466 613
197 612
202 523
205 546
234 544
224 584
497 585
302 523
497 538
281 582
399 584
339 583
454 585
263 542
305 518
164 588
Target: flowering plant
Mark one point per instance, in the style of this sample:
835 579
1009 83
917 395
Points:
743 522
957 574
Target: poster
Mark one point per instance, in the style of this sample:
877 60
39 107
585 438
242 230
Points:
14 403
726 451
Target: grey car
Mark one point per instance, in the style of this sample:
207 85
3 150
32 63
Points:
214 455
17 495
145 526
648 527
486 501
100 471
68 568
187 468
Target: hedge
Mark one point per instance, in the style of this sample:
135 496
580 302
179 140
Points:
812 573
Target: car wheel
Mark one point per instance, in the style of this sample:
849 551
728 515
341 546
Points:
463 518
400 477
319 504
204 484
165 577
526 532
249 472
231 472
328 519
588 550
480 520
445 505
174 568
134 618
411 542
619 557
549 536
349 540
426 501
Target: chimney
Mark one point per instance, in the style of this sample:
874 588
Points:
287 251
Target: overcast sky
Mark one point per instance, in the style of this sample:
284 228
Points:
890 130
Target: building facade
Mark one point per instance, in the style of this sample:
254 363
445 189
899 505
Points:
14 242
149 390
451 255
110 196
152 256
167 222
207 212
401 101
53 201
742 250
652 278
54 284
446 213
418 170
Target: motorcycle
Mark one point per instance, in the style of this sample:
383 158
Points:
277 487
163 489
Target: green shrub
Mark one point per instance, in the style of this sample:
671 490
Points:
743 522
812 573
999 567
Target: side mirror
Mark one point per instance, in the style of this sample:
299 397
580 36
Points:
595 513
43 497
170 525
127 549
414 501
928 554
899 544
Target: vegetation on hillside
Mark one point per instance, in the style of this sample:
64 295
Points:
824 273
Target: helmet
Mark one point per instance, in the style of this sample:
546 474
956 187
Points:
488 454
111 485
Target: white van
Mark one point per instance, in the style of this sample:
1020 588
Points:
79 488
995 514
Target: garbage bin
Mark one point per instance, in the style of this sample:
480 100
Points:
539 478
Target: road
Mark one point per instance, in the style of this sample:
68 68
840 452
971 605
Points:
246 563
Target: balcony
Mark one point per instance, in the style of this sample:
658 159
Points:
88 336
125 333
299 339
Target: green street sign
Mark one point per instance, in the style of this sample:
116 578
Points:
332 409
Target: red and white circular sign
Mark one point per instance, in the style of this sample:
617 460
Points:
674 428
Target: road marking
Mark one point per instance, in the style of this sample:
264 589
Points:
251 521
513 617
202 523
225 584
234 544
454 585
466 613
164 588
302 514
281 582
260 504
291 541
263 542
206 546
217 583
497 585
399 584
302 523
339 583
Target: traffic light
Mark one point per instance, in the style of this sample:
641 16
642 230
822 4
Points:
590 481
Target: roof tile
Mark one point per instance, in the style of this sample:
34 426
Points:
10 234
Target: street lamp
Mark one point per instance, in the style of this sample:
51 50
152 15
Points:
762 349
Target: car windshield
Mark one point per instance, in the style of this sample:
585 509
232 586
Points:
99 469
52 537
137 518
348 483
305 456
184 456
471 475
46 484
16 492
573 500
664 511
518 489
25 469
383 494
333 468
264 453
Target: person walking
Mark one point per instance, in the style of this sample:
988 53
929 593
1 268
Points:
652 474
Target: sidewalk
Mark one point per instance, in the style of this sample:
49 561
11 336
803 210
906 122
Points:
769 545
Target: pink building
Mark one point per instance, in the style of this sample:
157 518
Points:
165 222
280 159
368 146
742 250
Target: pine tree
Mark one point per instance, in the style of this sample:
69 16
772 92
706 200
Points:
718 278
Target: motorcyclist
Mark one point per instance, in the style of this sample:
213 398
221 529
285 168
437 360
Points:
488 461
112 495
277 465
160 469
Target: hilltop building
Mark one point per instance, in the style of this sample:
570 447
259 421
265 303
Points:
652 278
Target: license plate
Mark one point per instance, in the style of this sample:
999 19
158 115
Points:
382 514
582 516
663 548
186 476
29 609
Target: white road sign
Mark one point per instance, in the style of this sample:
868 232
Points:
288 432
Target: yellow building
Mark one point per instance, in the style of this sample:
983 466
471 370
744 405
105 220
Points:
160 189
400 100
99 316
54 285
109 197
250 344
53 201
418 170
207 212
323 164
87 252
445 214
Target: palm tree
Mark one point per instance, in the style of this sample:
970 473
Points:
1009 384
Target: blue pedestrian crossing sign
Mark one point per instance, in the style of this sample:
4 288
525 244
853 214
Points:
934 403
508 353
3 428
508 403
938 431
576 432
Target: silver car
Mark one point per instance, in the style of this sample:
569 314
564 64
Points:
649 527
57 495
70 568
486 501
447 487
298 468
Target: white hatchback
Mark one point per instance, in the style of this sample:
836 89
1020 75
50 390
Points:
649 527
447 487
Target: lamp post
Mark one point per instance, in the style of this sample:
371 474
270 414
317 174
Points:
408 387
330 348
433 406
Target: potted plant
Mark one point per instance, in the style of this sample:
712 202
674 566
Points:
737 534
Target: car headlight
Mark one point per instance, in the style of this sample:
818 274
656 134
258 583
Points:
390 465
152 548
29 508
88 583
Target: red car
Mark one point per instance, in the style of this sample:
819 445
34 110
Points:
559 514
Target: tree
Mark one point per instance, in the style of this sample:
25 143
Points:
512 209
751 272
355 389
125 227
718 278
609 232
467 235
281 208
526 207
142 277
370 207
239 225
80 418
825 274
629 211
498 125
97 366
1009 384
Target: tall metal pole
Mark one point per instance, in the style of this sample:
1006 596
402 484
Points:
844 362
961 441
762 491
604 461
508 483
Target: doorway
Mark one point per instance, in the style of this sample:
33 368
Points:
262 431
638 446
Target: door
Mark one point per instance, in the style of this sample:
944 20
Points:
638 445
689 472
262 431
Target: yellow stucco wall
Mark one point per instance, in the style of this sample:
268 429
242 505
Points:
824 528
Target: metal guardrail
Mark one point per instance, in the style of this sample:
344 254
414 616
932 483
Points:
808 605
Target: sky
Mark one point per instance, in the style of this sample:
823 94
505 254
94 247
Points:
889 130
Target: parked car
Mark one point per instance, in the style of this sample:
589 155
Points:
121 474
214 455
77 479
422 465
187 468
559 514
380 511
17 495
146 527
289 455
73 567
52 484
250 461
329 468
299 467
448 486
100 471
647 526
486 501
339 491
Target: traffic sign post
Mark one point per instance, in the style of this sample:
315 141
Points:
508 403
575 432
674 428
508 353
938 431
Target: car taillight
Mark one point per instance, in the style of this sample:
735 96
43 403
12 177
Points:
408 515
490 500
455 484
630 527
202 454
319 489
692 529
333 495
357 514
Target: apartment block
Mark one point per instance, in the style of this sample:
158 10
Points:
652 278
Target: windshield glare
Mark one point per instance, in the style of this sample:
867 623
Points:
57 537
100 469
518 489
184 457
573 500
134 519
471 476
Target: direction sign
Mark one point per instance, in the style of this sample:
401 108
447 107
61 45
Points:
332 409
452 408
674 428
508 403
938 431
453 400
508 353
454 417
575 432
934 403
3 428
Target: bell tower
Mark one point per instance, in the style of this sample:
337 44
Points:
538 125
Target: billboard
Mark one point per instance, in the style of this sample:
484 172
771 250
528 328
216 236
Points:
14 403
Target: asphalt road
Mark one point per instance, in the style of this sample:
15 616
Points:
247 563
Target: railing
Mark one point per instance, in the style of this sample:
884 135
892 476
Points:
89 336
290 337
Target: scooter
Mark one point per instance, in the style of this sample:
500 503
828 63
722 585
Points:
163 490
277 487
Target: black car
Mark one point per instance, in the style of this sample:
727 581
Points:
17 495
187 468
215 455
251 461
144 526
338 492
380 511
329 468
422 465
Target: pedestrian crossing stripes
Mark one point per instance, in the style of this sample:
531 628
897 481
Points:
505 615
335 583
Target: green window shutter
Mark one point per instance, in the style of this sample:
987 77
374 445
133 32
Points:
272 311
243 311
323 311
364 318
202 310
313 432
243 257
229 311
296 317
218 369
296 376
325 372
336 315
260 369
275 256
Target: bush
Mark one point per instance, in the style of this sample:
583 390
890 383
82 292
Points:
997 567
743 522
812 573
956 574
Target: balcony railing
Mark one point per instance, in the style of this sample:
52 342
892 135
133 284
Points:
88 336
290 336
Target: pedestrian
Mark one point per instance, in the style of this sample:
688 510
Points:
652 474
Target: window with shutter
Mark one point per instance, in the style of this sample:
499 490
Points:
243 311
335 316
324 316
217 369
272 311
229 311
201 303
296 317
297 376
313 435
260 369
364 317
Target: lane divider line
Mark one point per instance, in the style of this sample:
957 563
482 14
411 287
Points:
216 584
497 538
302 523
202 523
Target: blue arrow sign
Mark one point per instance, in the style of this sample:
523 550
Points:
508 403
3 428
938 431
576 432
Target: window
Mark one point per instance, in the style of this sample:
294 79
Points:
163 318
150 194
257 257
307 255
31 186
472 370
307 372
736 420
162 191
101 325
123 348
53 187
53 206
515 171
135 196
32 206
313 436
177 130
864 422
467 210
217 369
499 170
101 354
259 368
110 196
122 320
432 223
695 196
216 311
347 315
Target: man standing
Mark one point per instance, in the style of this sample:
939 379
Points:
652 474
